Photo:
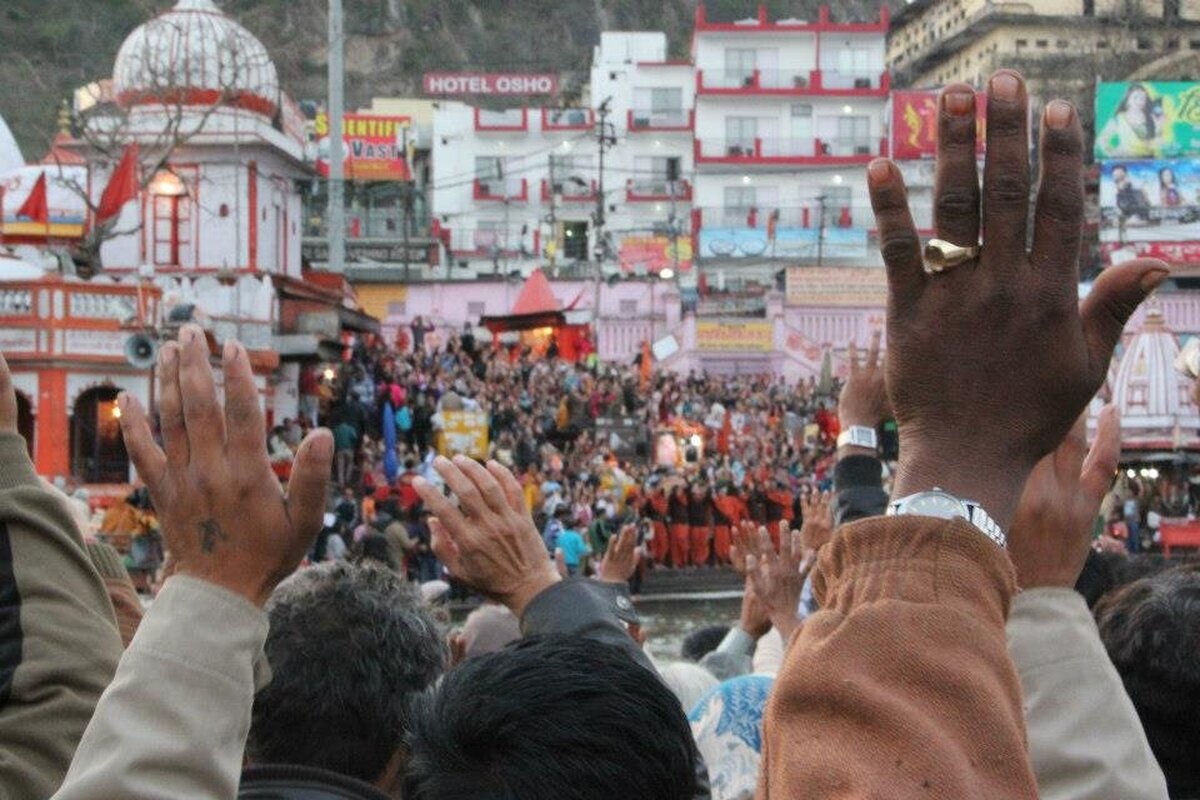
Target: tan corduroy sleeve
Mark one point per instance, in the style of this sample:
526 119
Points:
901 686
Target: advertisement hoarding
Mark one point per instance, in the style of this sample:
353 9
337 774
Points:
758 337
375 147
493 83
1147 120
839 287
1150 201
464 432
914 123
654 253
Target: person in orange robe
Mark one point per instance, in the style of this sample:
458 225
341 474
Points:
677 524
700 520
730 510
656 509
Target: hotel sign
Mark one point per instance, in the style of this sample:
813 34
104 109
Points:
490 83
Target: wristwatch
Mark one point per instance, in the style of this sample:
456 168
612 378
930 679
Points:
858 436
944 505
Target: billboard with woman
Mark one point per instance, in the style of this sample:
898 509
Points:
1147 120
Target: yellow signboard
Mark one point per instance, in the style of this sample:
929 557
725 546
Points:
758 337
840 287
464 432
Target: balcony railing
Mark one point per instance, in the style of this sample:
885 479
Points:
796 80
567 119
501 191
776 150
511 120
675 119
810 215
824 231
569 191
657 190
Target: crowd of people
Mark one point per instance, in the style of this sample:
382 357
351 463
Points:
953 634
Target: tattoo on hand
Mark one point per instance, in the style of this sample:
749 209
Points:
210 532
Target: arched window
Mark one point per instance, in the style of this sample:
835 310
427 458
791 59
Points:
97 448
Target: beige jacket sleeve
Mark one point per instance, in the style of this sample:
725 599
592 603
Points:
1085 739
174 721
59 644
901 685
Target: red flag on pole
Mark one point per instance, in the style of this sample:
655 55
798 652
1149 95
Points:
35 206
122 186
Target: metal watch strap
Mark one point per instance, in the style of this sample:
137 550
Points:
858 436
984 522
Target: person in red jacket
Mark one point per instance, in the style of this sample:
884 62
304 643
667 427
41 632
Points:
728 512
677 524
700 520
656 510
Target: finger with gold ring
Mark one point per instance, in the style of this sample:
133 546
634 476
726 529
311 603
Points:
941 255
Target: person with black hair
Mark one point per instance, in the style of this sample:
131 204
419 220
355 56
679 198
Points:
349 646
1151 630
549 718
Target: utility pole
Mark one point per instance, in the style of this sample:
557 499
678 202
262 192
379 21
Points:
552 218
335 213
604 140
821 229
672 182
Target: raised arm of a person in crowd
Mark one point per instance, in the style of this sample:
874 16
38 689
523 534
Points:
1085 739
489 542
901 686
173 723
59 643
862 405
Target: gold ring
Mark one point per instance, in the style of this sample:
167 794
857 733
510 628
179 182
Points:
941 255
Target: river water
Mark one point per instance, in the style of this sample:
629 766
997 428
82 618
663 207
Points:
668 622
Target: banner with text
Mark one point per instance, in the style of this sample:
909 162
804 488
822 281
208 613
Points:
503 83
1150 201
840 287
914 123
1147 120
376 148
653 254
464 432
758 337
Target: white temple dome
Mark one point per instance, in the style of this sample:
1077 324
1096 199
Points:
10 155
194 55
1154 399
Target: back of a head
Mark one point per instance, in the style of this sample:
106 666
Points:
1151 629
349 647
550 718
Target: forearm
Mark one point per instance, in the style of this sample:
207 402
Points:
175 719
1085 738
57 631
912 607
582 607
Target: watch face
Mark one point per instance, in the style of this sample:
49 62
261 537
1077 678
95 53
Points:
936 504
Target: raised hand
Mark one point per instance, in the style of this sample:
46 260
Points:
864 399
620 557
817 528
489 541
1052 532
990 362
738 550
778 577
224 518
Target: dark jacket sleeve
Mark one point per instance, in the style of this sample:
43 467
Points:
584 607
858 484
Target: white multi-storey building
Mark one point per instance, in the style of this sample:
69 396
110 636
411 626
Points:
748 154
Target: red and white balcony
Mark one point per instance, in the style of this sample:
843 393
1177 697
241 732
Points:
568 119
509 120
660 121
791 82
761 24
500 191
569 191
780 151
657 190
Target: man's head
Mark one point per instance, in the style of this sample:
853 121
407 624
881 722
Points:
550 718
348 647
1151 629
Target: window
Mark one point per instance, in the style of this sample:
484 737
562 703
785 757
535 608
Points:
572 173
853 136
658 106
740 64
172 230
837 209
1022 43
652 173
1171 9
801 127
1062 44
489 171
575 241
739 206
1089 8
1143 44
1042 43
1194 44
1102 44
628 308
1171 44
740 133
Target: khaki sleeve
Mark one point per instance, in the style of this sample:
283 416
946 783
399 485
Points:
901 685
174 721
1085 739
59 643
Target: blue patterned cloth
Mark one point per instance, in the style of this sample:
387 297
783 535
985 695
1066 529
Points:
727 725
